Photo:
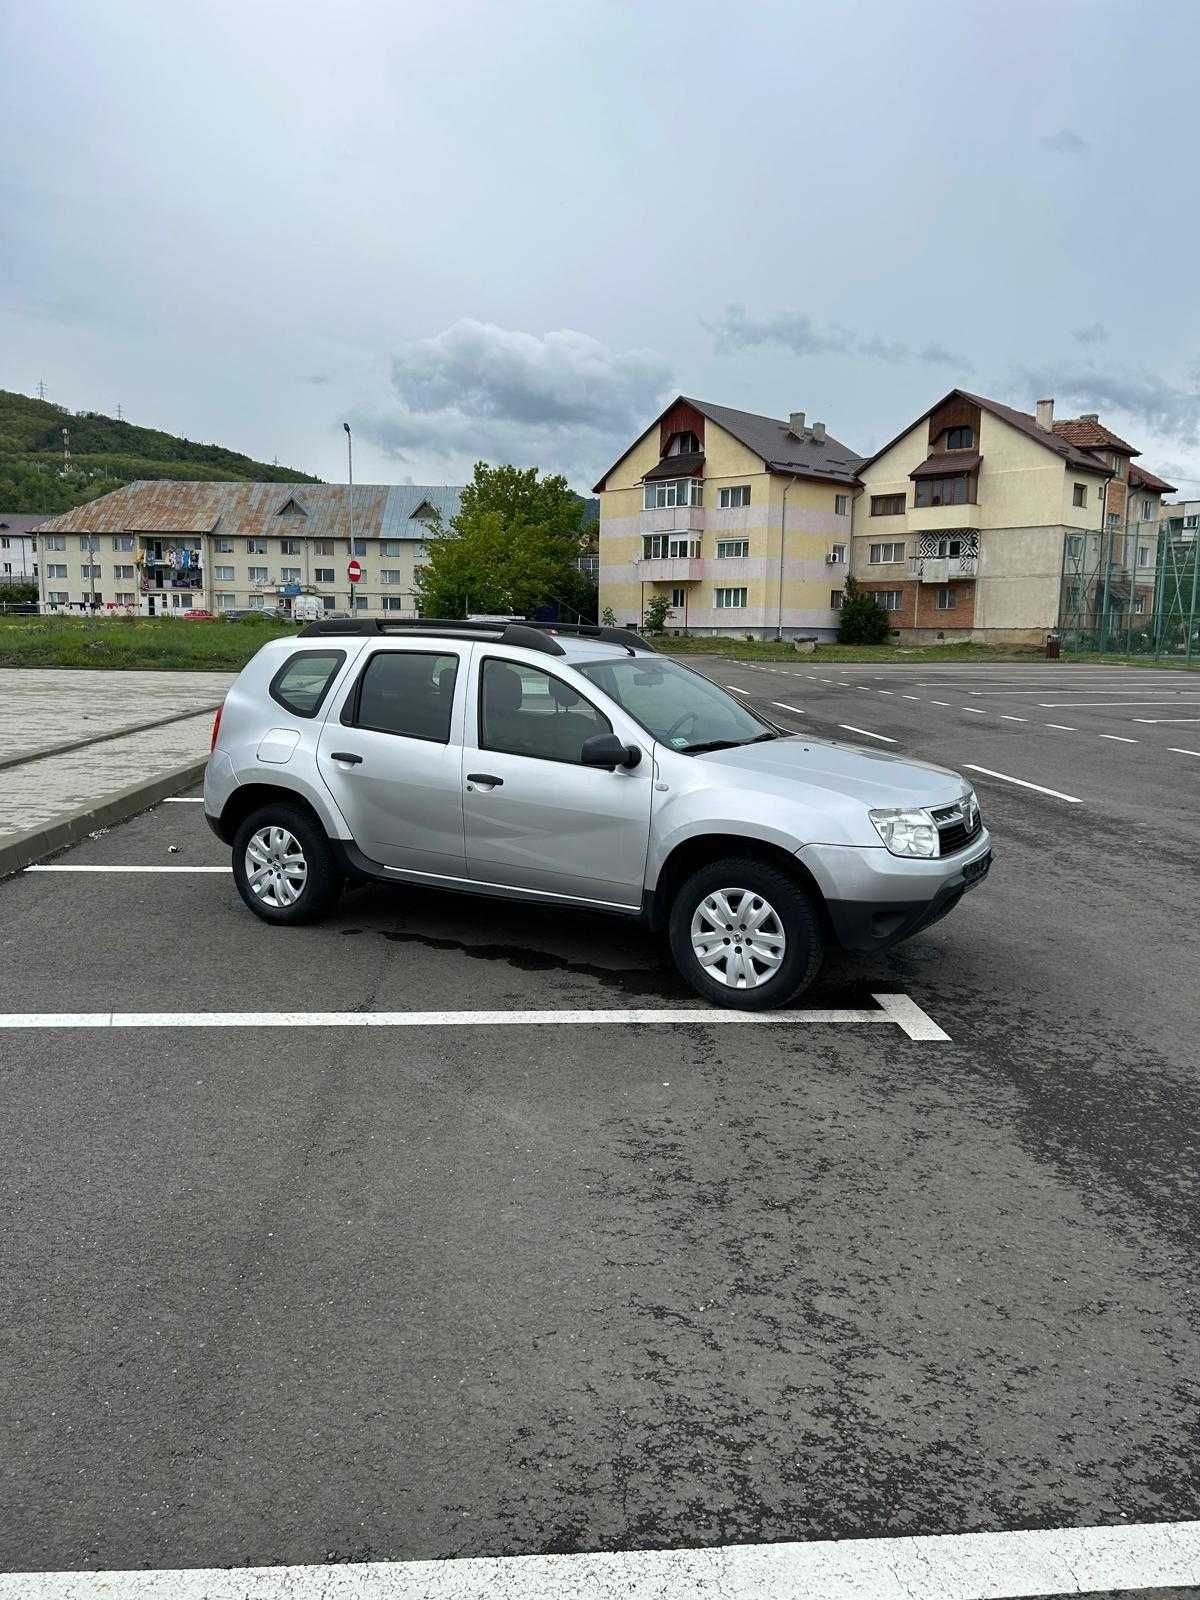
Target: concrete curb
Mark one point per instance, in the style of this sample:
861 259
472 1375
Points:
24 848
104 738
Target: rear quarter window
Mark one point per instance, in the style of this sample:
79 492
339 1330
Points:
303 681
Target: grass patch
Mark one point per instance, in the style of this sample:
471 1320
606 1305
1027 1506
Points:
163 644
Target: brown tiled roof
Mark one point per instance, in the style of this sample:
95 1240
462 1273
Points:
1022 420
1139 478
688 464
1089 435
952 465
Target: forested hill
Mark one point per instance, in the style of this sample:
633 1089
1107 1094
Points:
105 453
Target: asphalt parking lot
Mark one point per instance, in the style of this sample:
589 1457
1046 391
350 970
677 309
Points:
308 1294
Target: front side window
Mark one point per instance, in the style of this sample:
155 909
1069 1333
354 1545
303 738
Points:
676 706
739 495
885 553
728 548
524 711
729 599
663 493
303 681
409 693
887 505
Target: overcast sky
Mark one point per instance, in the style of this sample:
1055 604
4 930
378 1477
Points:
513 231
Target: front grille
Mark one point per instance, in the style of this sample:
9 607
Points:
954 834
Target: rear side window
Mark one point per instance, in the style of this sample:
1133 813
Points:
407 692
303 681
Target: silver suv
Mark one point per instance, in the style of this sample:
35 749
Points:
578 767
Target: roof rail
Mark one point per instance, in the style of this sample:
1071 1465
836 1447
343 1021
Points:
528 635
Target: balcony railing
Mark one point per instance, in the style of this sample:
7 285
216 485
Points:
941 569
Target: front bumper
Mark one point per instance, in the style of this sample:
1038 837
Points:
875 899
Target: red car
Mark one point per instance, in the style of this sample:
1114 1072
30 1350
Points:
198 616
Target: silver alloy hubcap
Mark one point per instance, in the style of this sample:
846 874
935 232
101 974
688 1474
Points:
275 867
738 938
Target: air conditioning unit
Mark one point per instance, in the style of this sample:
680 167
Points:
835 560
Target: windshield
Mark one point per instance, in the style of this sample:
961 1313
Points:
676 706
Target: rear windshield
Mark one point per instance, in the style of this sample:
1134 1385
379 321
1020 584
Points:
303 681
677 706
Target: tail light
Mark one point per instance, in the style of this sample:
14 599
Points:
216 727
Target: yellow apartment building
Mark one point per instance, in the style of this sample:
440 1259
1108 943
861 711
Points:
742 521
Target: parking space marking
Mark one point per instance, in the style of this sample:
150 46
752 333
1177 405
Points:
915 697
795 710
184 800
1089 705
1023 783
1176 751
939 702
1118 738
1158 720
734 688
898 1009
866 733
980 711
66 866
1007 716
1061 727
963 1566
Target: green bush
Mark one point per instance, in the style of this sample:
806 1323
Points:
862 619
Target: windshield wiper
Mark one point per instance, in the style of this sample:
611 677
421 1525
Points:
723 744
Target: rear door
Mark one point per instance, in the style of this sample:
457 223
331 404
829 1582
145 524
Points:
535 817
391 755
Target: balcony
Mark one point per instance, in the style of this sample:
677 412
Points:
941 519
672 519
670 569
941 569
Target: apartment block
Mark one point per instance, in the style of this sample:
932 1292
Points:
18 545
742 522
162 548
968 521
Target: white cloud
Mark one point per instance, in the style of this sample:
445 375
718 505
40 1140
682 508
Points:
735 329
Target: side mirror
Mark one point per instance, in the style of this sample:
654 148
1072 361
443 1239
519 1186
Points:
606 750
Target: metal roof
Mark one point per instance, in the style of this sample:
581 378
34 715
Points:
173 506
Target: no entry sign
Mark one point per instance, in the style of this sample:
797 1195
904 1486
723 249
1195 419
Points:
354 571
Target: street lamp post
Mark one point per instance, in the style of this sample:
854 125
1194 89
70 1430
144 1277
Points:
350 500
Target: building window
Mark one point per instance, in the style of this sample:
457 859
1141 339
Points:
56 569
223 574
1144 555
726 548
85 541
393 602
678 599
90 571
1188 522
360 547
1079 495
324 575
1147 510
941 492
729 599
390 575
841 505
226 602
257 602
838 555
258 574
949 547
1075 543
125 599
945 598
322 547
389 547
836 596
289 547
960 438
123 574
882 554
739 496
122 541
256 547
54 541
1139 604
889 599
289 574
665 546
887 505
1114 519
328 601
673 492
224 547
58 597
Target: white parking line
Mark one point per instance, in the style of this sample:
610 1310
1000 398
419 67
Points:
939 702
1007 716
980 711
916 697
1118 738
1159 720
963 1566
898 1009
884 691
735 689
1087 705
1023 783
794 709
866 732
55 866
1061 727
184 800
1176 751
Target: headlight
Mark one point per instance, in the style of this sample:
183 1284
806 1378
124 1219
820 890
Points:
907 833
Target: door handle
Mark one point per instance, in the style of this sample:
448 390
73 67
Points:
346 755
487 778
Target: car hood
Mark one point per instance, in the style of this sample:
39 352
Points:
872 777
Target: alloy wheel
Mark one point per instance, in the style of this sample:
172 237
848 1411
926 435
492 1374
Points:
276 869
737 938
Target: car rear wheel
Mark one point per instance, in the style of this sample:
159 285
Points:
745 934
284 866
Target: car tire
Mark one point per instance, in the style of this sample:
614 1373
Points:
284 866
775 919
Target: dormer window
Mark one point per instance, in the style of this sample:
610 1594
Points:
683 444
960 438
291 508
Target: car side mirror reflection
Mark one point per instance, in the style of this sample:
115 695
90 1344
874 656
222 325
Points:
606 750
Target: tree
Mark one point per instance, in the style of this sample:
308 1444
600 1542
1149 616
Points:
513 547
863 620
655 613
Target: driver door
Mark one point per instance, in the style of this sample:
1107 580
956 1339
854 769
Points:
535 817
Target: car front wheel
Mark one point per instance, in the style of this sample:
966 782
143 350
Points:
746 935
284 867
